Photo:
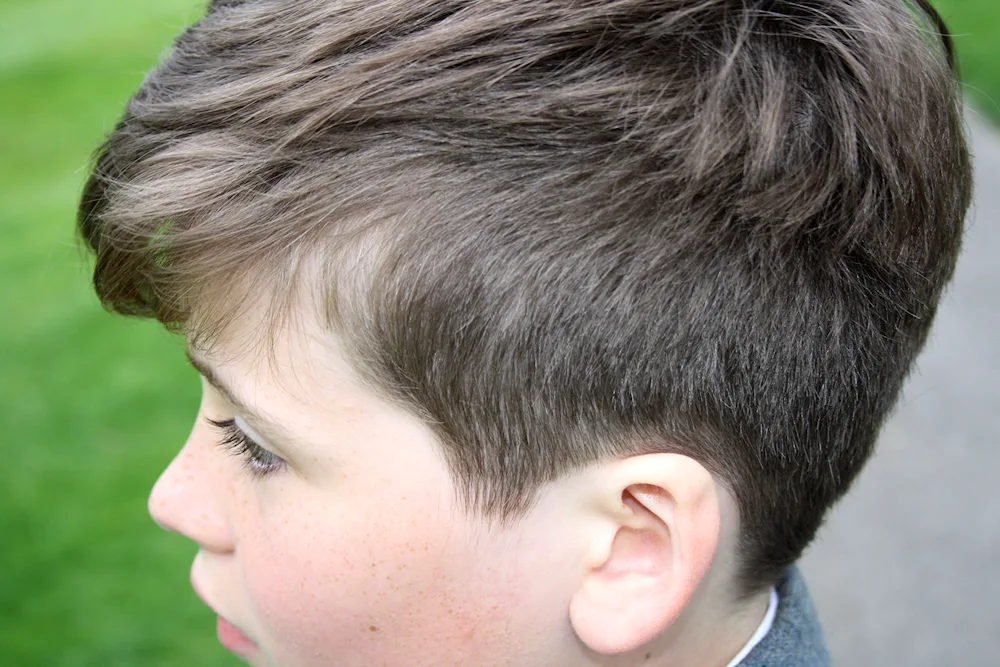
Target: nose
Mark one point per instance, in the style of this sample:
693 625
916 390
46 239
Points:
189 498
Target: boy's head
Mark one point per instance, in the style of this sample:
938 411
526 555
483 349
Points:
643 278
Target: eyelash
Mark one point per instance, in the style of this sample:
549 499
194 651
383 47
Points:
256 459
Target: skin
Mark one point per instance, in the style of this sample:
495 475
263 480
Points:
354 552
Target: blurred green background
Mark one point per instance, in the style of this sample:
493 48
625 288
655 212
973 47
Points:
92 407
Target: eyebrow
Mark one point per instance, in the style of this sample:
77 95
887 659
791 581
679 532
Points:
254 418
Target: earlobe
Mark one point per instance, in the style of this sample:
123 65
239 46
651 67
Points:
658 533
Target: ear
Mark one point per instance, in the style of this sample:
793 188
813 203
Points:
655 537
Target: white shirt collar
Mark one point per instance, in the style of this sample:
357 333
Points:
762 630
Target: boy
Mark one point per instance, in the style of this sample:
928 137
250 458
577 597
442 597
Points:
532 332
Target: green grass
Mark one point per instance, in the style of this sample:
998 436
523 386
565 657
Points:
976 26
92 406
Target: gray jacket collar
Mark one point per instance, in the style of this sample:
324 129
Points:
795 638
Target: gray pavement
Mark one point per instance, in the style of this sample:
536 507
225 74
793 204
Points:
907 569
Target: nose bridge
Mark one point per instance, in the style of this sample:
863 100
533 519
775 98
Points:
189 497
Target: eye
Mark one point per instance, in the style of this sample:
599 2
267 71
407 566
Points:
256 459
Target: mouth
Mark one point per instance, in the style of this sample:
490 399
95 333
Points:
233 639
230 636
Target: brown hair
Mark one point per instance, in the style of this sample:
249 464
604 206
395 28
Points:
566 231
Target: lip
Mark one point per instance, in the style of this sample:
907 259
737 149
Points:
230 636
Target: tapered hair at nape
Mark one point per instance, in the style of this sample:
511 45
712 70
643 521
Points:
563 232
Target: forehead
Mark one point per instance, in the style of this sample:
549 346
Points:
316 290
275 350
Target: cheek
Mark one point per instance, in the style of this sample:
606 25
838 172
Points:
388 586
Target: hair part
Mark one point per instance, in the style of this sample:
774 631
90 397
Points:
562 232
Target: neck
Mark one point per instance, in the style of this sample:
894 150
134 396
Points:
711 637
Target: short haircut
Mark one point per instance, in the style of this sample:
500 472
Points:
564 232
